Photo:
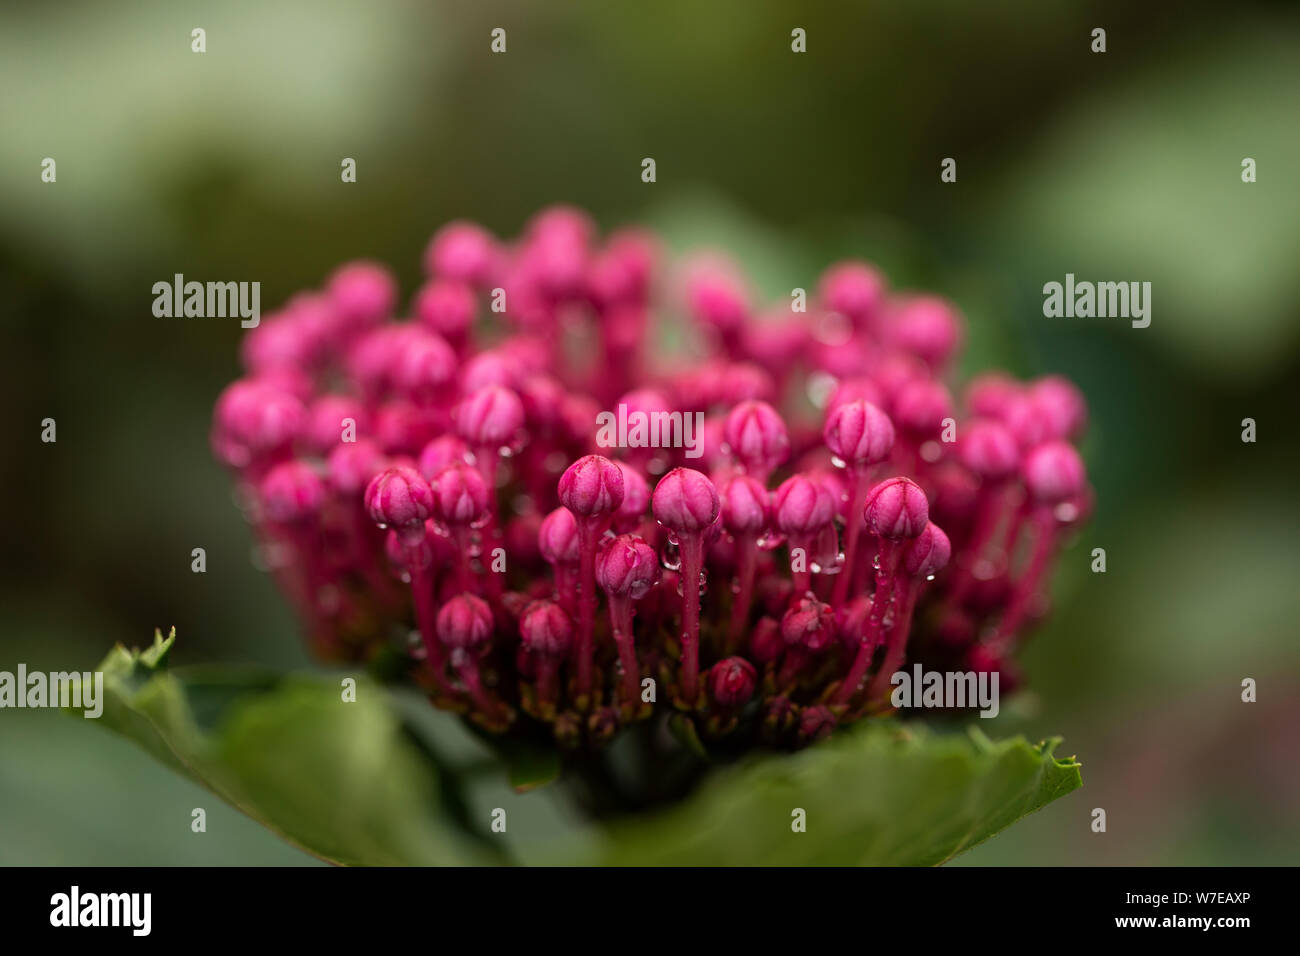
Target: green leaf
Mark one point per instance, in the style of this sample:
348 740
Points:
876 795
529 764
346 781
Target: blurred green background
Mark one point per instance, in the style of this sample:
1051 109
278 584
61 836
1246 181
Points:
1123 165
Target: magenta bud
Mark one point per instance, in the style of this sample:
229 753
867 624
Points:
816 722
989 449
859 433
851 390
685 501
766 644
628 567
441 452
927 554
1053 472
896 509
744 504
292 492
809 624
636 498
1029 421
326 418
802 505
493 367
557 538
592 487
757 436
446 308
253 419
731 682
364 293
545 630
465 622
462 251
1061 404
399 497
425 364
716 296
921 406
460 495
408 553
351 466
853 289
491 417
991 394
927 327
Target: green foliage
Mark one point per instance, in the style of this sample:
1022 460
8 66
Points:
356 783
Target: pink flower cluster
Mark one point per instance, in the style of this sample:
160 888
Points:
843 515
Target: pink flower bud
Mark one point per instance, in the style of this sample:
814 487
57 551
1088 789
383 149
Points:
851 390
992 393
927 554
557 538
731 682
757 436
351 466
292 492
283 341
460 495
325 420
592 487
988 448
424 365
490 418
744 382
816 722
253 420
745 505
802 505
399 497
636 498
716 296
545 630
446 308
441 452
628 567
461 251
364 293
859 433
896 509
853 289
1029 421
927 327
921 406
810 624
1061 404
465 622
685 501
1053 472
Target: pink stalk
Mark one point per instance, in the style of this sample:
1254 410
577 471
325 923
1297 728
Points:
686 503
592 489
860 435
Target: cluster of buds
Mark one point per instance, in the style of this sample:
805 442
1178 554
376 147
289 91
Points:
434 484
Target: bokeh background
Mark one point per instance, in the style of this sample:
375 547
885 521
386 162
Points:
1123 165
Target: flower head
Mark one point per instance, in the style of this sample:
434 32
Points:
438 475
